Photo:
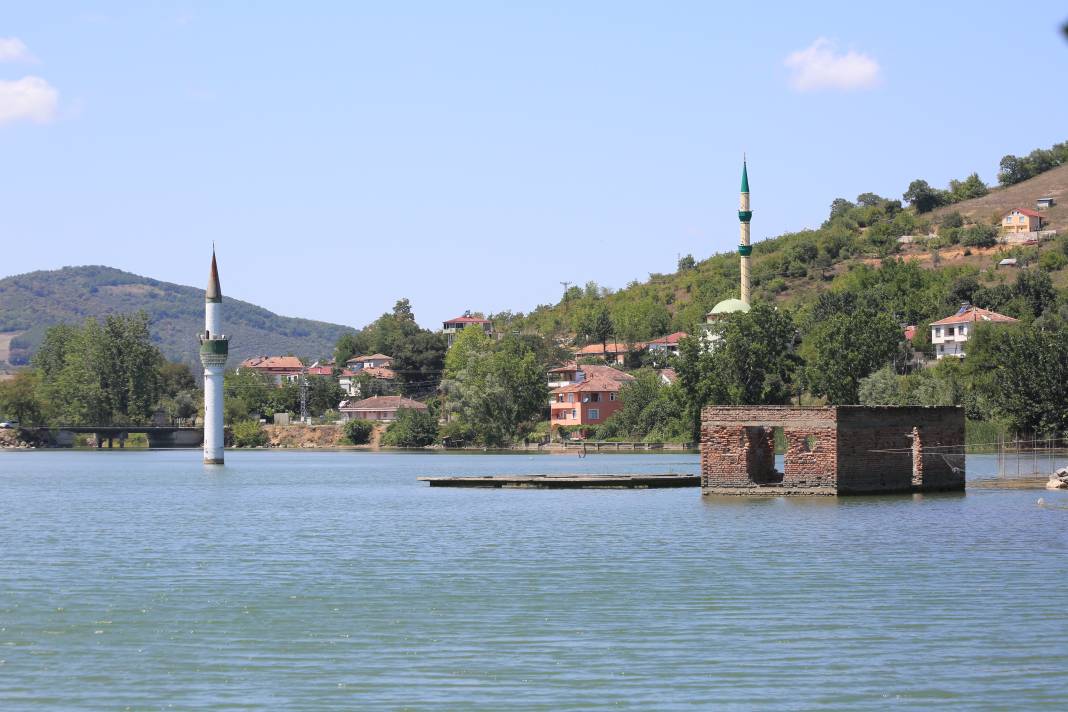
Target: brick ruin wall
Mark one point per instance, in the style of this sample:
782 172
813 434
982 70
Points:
898 449
831 450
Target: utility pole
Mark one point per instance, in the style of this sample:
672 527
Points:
565 285
304 395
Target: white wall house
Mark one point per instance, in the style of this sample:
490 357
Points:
949 335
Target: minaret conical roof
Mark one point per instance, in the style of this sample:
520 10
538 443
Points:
745 178
214 291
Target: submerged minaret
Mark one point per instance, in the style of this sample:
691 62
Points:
744 216
214 348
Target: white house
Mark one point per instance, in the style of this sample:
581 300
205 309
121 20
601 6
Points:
950 334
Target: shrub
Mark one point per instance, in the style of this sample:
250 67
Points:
249 433
412 428
1052 261
358 432
979 236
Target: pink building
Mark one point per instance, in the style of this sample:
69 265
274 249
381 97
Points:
590 402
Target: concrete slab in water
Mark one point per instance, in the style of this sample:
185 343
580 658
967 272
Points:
567 481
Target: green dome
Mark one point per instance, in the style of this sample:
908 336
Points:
729 306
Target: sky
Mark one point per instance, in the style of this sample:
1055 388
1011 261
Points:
471 155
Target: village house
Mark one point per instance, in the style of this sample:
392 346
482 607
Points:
612 352
372 361
571 373
667 344
380 408
1043 203
589 402
1021 220
950 334
452 327
279 369
383 379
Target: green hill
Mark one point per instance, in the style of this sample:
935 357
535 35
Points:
795 267
30 303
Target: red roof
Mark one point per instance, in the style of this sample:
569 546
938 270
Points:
372 357
595 371
910 331
1025 211
291 363
383 403
973 314
468 320
669 375
613 348
320 371
670 338
379 372
596 383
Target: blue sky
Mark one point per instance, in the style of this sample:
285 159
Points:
474 155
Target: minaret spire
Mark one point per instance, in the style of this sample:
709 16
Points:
214 291
744 216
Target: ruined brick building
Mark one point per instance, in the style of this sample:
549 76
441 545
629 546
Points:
832 450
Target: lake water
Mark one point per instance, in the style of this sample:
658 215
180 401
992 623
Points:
313 580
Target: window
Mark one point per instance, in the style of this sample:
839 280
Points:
611 396
595 397
964 330
595 414
570 397
938 331
949 331
573 415
1020 219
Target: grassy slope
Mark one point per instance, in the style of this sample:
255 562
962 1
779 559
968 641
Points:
690 294
1052 183
30 303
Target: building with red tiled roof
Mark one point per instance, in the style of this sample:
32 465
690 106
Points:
667 344
950 334
571 373
383 408
452 327
320 371
590 402
374 361
1021 220
612 352
279 369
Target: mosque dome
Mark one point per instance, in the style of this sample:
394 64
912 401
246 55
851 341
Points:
729 306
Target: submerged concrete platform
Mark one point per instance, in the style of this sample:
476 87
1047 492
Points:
567 481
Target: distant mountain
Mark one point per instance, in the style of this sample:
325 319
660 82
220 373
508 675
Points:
30 303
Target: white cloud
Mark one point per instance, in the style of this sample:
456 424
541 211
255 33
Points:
27 99
12 49
818 67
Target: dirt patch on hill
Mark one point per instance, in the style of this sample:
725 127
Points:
5 345
994 205
315 436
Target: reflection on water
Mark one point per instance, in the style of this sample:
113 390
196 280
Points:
312 580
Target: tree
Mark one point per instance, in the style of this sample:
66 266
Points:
843 345
686 263
358 432
1013 170
600 328
101 373
979 236
883 387
412 428
1024 371
839 207
651 411
751 362
970 187
18 398
495 388
923 197
349 345
418 362
324 394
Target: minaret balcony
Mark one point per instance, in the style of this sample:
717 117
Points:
745 215
213 352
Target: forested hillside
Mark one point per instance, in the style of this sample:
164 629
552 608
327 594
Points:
30 303
954 238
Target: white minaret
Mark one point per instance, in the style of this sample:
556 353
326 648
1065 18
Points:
745 214
214 348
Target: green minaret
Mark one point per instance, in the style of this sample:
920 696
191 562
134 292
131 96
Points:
744 216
